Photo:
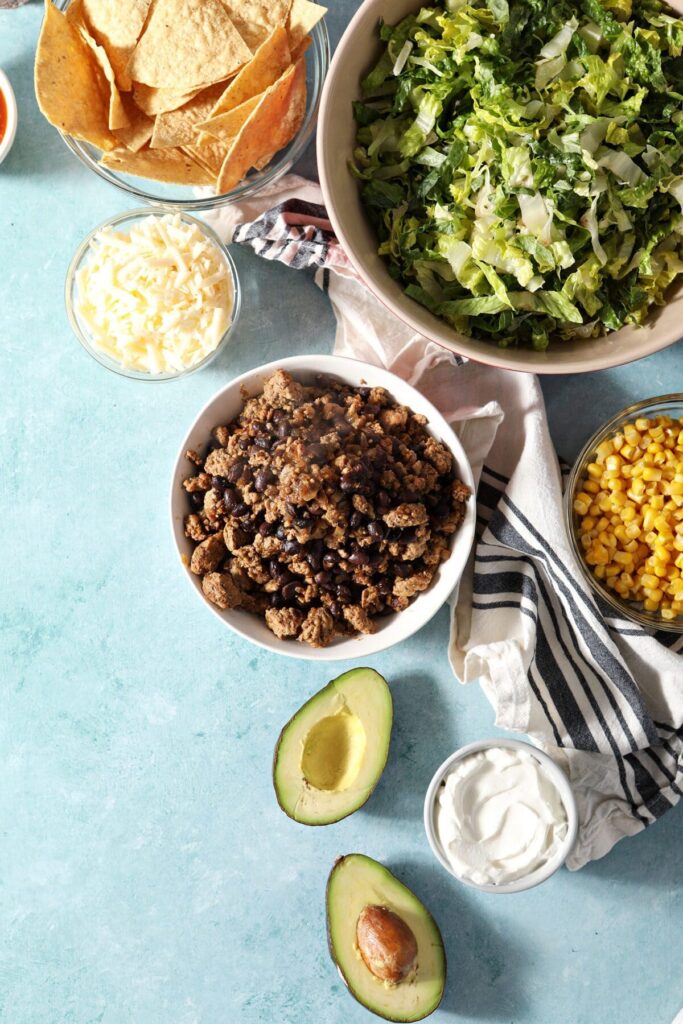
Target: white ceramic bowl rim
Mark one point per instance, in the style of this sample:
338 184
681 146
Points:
12 116
398 627
121 218
556 775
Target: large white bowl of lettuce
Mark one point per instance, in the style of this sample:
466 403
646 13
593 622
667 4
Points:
507 175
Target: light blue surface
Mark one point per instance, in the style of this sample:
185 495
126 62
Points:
146 873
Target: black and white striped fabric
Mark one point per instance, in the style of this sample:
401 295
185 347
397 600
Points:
602 695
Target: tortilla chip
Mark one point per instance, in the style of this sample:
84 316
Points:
302 18
75 14
67 81
178 127
210 157
227 126
116 25
140 127
195 153
256 19
160 164
271 125
270 61
301 48
157 101
117 114
187 43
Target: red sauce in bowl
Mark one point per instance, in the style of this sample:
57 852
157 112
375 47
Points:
3 115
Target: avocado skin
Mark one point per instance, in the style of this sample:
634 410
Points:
330 944
286 726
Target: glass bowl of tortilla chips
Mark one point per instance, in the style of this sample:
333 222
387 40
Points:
192 104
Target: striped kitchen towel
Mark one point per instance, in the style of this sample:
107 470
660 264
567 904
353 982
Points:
601 695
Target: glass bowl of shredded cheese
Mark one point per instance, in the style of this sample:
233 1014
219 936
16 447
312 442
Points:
624 512
152 295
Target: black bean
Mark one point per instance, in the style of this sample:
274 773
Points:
212 445
235 471
364 393
277 415
290 508
384 586
230 498
359 558
262 479
197 499
276 600
289 590
314 559
322 579
356 520
280 533
383 499
411 496
329 560
341 577
219 482
241 509
244 443
301 522
317 452
403 569
370 409
335 609
283 429
263 442
266 529
248 474
274 567
284 578
291 547
344 592
376 529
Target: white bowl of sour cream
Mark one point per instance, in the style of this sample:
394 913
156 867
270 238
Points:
500 816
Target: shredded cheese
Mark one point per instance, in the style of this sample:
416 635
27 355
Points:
157 298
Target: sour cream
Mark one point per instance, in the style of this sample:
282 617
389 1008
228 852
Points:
499 816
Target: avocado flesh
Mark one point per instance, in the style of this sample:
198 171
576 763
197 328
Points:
332 752
355 882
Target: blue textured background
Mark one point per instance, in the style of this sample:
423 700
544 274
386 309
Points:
146 873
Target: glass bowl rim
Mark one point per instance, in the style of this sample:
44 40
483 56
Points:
641 617
320 51
70 283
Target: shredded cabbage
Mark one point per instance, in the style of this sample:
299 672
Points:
522 163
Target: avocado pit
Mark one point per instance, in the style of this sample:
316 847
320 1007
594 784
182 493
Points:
386 943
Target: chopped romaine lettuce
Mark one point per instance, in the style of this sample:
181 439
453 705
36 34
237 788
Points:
522 162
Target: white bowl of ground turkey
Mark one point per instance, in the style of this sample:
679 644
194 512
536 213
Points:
225 405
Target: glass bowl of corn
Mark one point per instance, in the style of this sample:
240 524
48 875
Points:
624 512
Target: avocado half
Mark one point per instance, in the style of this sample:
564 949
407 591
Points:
332 752
358 883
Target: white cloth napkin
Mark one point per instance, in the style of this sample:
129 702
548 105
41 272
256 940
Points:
601 695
